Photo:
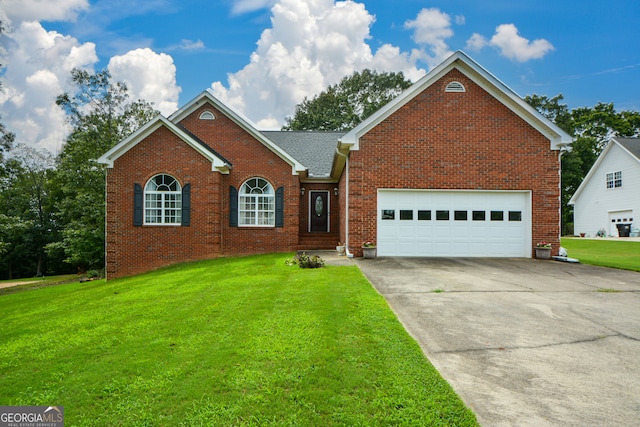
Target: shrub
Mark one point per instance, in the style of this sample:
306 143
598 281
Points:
305 261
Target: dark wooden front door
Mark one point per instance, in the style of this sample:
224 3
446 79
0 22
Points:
319 210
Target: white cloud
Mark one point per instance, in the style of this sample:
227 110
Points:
511 44
516 47
38 68
476 42
244 6
191 45
149 75
47 10
310 45
431 28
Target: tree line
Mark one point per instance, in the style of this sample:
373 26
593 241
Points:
52 208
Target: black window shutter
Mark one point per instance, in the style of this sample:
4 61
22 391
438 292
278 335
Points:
233 206
280 207
186 205
138 203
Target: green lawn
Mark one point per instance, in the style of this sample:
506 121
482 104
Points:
238 341
607 253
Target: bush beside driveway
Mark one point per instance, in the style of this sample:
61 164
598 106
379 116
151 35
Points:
524 342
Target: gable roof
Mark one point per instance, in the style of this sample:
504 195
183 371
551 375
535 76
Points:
629 145
240 120
460 61
313 149
218 163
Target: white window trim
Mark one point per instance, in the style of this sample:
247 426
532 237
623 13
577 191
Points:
255 196
162 208
612 178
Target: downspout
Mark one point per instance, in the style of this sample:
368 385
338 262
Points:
563 149
346 201
106 222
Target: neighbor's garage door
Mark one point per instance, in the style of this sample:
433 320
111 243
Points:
454 223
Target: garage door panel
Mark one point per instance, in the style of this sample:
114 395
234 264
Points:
423 232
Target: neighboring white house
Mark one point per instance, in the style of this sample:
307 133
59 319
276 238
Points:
609 197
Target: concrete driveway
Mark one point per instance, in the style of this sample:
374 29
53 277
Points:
524 342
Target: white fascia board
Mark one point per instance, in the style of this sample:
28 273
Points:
240 120
557 137
591 172
132 140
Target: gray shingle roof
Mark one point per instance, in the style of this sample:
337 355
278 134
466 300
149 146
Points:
631 144
315 150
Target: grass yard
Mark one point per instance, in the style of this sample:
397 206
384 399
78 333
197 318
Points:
607 253
238 341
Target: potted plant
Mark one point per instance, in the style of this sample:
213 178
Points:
369 250
543 250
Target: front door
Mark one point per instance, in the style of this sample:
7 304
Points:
319 211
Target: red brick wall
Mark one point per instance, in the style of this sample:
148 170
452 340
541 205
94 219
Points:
454 141
131 250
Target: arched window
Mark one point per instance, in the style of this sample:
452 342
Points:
207 115
256 203
163 201
455 87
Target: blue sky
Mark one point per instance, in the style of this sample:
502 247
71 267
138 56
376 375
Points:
263 56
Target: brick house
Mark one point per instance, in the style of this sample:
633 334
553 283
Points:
457 165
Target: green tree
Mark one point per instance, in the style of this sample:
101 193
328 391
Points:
344 105
102 115
592 128
27 210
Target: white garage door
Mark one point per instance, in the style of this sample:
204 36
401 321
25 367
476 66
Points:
454 223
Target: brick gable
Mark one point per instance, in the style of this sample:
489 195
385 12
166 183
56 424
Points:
131 250
442 140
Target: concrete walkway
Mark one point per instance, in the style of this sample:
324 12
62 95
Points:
524 342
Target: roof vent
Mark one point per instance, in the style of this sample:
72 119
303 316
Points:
207 115
455 87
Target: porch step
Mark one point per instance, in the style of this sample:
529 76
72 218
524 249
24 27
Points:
319 241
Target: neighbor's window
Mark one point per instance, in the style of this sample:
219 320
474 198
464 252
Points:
256 205
614 179
162 201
